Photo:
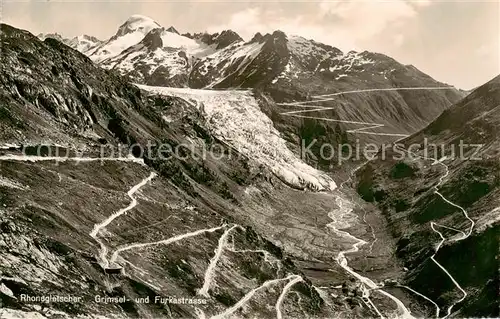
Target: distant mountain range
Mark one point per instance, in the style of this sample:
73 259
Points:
82 43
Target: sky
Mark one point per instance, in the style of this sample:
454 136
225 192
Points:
457 42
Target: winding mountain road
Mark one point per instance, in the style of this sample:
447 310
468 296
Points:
364 130
209 273
443 239
103 251
336 225
167 241
423 296
283 294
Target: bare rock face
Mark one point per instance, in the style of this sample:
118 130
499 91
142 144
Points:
220 40
226 38
153 40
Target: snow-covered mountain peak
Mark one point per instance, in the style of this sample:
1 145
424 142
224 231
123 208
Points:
139 23
83 43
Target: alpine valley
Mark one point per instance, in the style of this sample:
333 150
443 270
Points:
242 216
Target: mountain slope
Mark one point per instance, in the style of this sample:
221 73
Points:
421 197
222 230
